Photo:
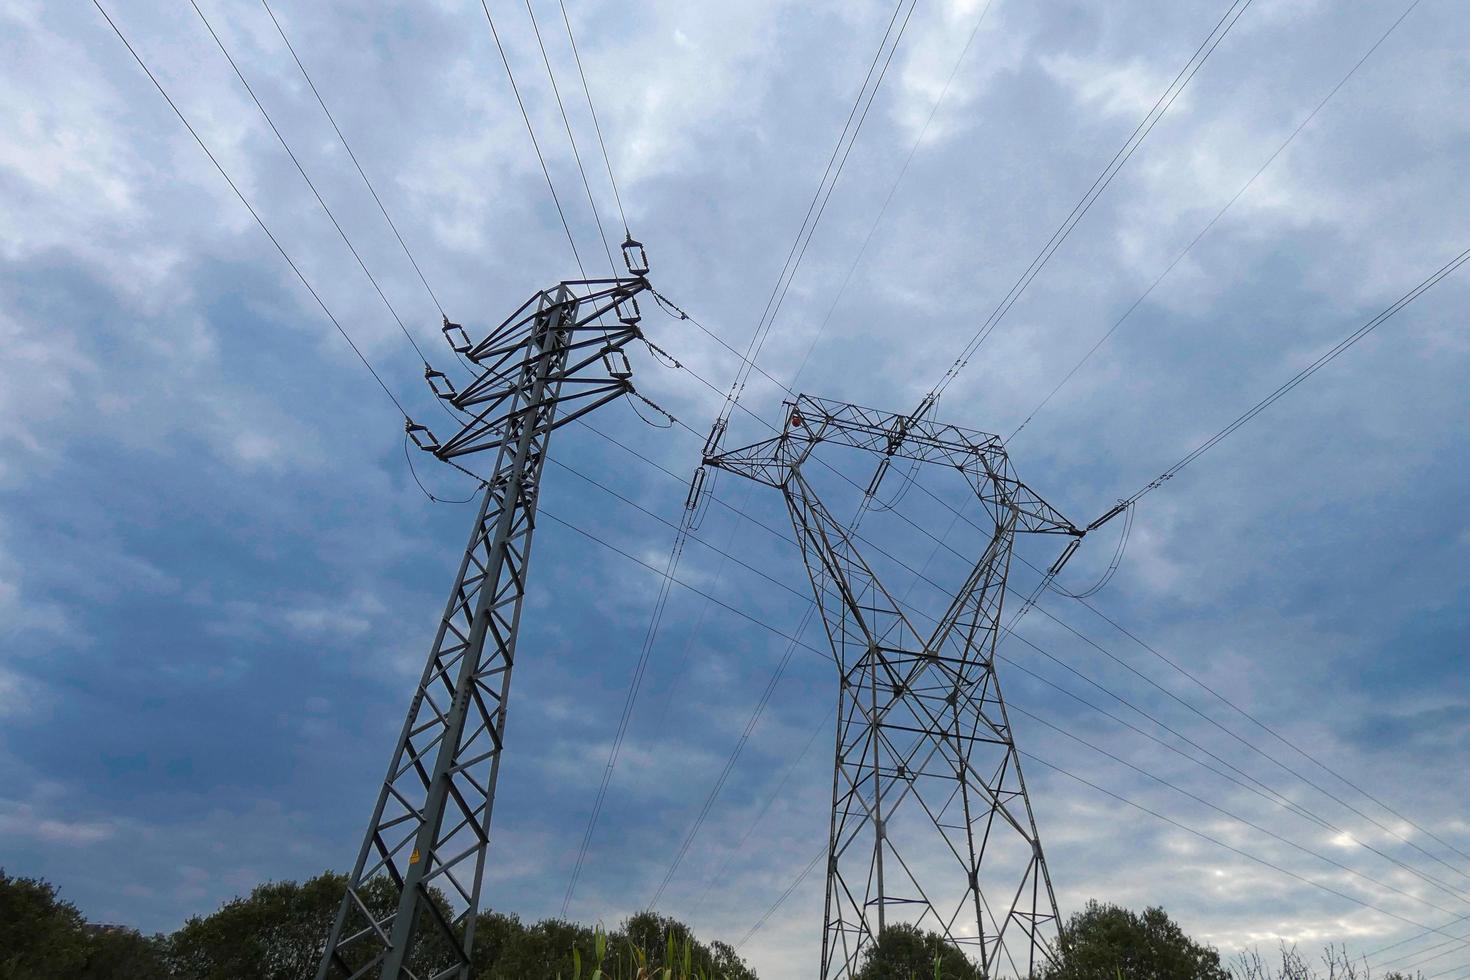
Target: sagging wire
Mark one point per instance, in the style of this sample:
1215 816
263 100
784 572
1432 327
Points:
673 310
903 491
1112 569
670 422
408 457
661 355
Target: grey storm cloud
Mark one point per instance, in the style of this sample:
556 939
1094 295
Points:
218 579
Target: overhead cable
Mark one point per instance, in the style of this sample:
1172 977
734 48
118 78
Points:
1274 796
596 124
892 190
535 143
315 193
1321 361
692 508
1140 133
576 154
249 207
1215 220
353 156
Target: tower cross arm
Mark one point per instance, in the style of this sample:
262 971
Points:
1033 514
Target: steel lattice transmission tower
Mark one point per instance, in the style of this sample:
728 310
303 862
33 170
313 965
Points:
931 823
550 362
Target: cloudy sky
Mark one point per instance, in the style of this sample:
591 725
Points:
218 579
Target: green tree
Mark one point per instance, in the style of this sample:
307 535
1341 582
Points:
906 952
1103 942
506 949
669 944
117 953
279 930
41 936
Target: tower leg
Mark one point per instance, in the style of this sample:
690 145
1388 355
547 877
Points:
431 824
925 763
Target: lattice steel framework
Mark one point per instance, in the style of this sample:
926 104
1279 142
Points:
550 362
931 823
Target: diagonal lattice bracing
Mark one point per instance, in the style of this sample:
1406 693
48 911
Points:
414 892
930 822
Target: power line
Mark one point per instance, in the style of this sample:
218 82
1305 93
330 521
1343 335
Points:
731 762
1284 801
353 156
1219 843
576 154
1268 729
1213 221
1244 781
535 144
1271 795
893 189
1275 761
1125 152
781 899
1456 944
673 310
692 509
249 207
1305 373
302 170
1233 816
748 617
720 782
827 194
808 223
765 807
1249 745
1383 949
432 498
670 524
596 125
794 641
1254 748
1144 809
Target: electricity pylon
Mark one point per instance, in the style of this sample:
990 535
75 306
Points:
925 764
551 361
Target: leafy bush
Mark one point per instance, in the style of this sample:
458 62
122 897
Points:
278 930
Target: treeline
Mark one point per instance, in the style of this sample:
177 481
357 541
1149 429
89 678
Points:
1107 942
277 931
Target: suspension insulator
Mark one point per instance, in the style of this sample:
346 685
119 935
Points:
628 312
439 383
458 339
878 476
635 257
617 364
696 489
421 436
716 432
1067 553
